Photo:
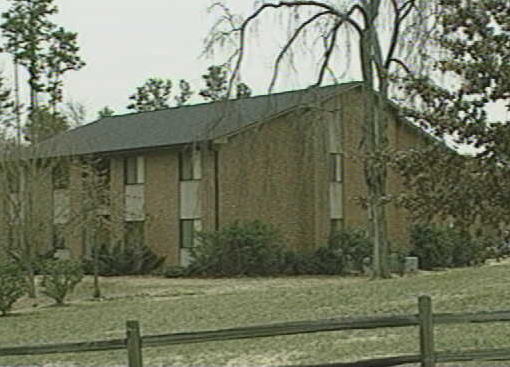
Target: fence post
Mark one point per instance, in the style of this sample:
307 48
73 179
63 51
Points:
426 331
134 344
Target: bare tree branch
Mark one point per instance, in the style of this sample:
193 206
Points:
286 4
401 64
405 12
329 51
395 34
289 43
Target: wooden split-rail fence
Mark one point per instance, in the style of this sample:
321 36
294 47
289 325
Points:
425 320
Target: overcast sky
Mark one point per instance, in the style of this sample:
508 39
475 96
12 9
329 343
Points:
124 42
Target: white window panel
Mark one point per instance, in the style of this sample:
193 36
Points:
335 161
336 200
135 203
335 137
61 206
197 164
140 167
190 199
185 257
134 170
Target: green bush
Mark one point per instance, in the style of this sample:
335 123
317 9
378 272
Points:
438 246
12 286
240 249
351 247
299 262
60 277
345 252
173 271
497 247
126 259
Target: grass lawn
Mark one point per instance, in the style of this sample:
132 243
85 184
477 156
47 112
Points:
176 305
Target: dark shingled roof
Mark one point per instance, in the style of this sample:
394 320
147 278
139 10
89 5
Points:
179 125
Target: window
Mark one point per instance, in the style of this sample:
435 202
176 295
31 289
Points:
13 182
60 177
134 234
188 230
337 225
190 165
59 239
101 169
134 170
335 169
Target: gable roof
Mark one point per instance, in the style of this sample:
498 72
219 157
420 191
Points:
180 125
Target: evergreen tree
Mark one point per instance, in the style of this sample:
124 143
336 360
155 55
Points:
185 93
44 49
153 95
106 111
216 85
43 124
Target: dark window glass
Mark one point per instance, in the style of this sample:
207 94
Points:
335 167
186 166
59 240
60 177
134 234
188 232
337 225
131 171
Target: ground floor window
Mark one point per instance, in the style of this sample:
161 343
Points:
134 234
188 229
59 239
337 225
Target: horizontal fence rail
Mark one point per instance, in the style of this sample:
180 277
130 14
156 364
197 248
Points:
425 320
93 346
288 328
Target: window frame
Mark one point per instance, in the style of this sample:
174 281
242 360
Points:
60 177
127 231
192 170
136 165
336 165
196 225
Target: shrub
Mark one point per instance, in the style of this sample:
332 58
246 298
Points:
431 245
351 247
299 262
12 286
497 247
438 246
59 278
174 271
121 259
242 248
345 252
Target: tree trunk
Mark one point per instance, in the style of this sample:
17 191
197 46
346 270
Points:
95 247
374 143
97 289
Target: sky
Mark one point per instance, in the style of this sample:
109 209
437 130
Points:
124 42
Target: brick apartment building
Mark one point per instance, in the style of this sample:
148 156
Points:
291 159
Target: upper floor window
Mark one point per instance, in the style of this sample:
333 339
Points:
335 167
102 170
190 165
60 177
13 182
134 171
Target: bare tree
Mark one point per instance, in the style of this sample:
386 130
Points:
24 187
96 214
326 21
